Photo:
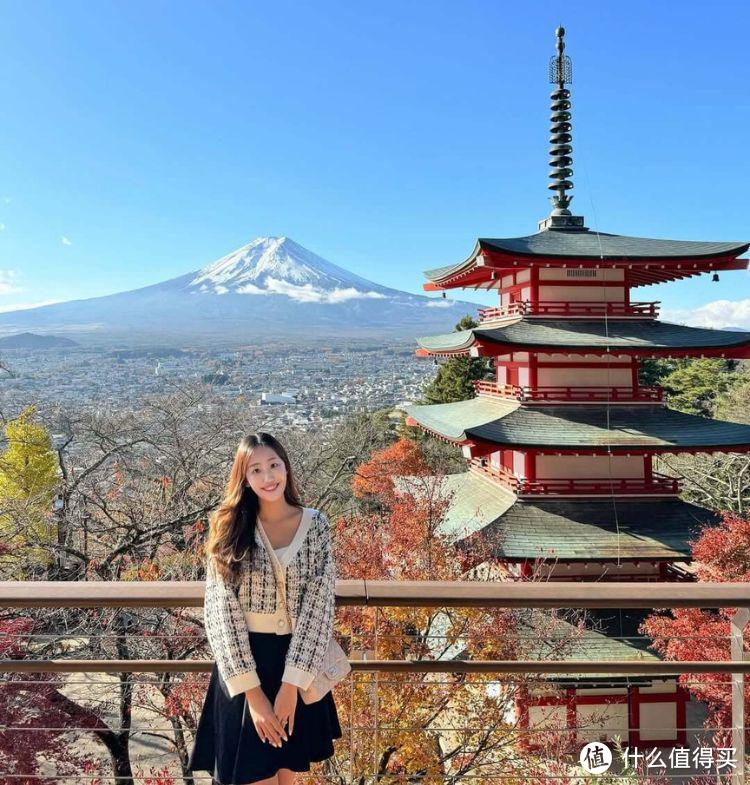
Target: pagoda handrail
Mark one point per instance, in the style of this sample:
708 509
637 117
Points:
582 308
572 393
656 484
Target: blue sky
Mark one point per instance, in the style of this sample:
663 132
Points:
140 140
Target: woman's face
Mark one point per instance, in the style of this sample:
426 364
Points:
266 474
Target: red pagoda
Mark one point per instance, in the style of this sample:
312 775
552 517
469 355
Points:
561 443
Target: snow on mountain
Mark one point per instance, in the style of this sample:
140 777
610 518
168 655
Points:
270 289
278 265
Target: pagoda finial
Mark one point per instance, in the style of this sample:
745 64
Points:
560 74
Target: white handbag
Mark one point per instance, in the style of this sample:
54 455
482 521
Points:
335 666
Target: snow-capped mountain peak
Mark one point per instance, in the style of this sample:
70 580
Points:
271 288
278 265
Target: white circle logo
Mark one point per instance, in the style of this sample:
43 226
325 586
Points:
596 757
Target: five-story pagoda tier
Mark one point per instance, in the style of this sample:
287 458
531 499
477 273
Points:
561 444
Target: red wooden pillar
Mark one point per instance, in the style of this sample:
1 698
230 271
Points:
534 371
634 374
529 466
634 717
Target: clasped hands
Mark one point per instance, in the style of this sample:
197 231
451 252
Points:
269 721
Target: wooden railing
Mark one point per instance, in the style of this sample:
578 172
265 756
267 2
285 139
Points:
656 485
641 310
368 670
570 394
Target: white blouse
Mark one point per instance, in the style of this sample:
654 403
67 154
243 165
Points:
279 623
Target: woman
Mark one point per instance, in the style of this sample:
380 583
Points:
254 727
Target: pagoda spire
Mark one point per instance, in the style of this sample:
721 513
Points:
560 74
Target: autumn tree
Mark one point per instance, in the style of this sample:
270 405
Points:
28 477
432 726
136 489
720 554
36 730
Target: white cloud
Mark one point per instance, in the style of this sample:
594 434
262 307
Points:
66 241
440 303
307 293
250 288
26 306
7 282
718 314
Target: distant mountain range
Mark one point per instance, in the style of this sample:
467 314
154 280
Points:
33 341
270 290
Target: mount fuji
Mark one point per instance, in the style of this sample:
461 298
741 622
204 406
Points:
270 290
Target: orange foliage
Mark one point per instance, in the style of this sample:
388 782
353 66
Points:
398 536
375 477
721 553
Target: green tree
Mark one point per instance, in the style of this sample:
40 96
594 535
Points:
28 478
653 371
454 378
720 481
694 385
734 403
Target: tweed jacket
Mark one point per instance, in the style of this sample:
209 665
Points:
254 603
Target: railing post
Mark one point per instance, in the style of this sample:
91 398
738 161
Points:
737 627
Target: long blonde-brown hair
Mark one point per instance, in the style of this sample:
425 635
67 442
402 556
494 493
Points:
231 529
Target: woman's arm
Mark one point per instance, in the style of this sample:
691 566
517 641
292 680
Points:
314 625
227 633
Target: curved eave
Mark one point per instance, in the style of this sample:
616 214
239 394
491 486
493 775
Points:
638 338
572 530
485 425
555 244
441 275
490 256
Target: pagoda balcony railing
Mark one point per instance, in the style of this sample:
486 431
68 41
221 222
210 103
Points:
553 308
550 394
656 485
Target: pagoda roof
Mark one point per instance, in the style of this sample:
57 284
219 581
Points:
598 248
568 529
581 530
610 634
587 244
615 336
595 428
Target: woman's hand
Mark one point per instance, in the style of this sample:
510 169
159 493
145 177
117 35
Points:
285 704
264 718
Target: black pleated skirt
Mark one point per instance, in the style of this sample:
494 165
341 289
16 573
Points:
226 743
